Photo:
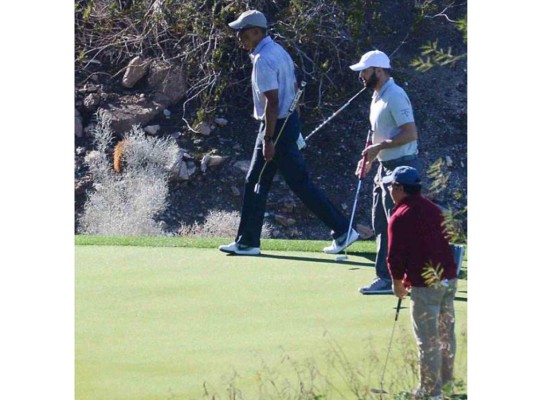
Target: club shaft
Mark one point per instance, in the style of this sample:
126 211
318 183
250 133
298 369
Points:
398 308
390 342
362 175
334 114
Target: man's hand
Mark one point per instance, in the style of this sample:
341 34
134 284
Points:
268 150
360 168
372 151
399 289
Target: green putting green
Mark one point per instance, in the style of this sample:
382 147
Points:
187 323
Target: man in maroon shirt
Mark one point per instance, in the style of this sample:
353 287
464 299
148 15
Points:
420 257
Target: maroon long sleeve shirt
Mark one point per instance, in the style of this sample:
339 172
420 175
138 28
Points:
416 238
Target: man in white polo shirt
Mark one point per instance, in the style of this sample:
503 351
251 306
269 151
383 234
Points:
273 90
394 143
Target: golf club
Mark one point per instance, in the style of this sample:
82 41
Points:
381 390
292 107
332 116
361 177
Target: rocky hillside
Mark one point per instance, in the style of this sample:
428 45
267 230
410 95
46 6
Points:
160 100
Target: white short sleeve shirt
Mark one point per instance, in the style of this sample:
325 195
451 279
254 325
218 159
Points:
390 109
273 68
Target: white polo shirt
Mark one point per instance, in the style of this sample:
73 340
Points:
273 68
389 110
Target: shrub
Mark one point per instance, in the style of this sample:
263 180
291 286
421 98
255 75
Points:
127 203
219 224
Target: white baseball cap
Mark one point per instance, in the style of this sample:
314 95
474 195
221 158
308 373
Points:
374 58
249 19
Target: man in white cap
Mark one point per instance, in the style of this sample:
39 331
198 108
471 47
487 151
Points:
274 89
394 143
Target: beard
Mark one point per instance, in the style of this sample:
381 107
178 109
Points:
372 81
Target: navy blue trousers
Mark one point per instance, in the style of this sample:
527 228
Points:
291 164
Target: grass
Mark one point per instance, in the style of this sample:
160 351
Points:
157 318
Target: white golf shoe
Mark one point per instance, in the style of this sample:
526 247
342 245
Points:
342 242
242 250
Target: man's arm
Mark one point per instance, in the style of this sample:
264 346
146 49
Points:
408 133
271 118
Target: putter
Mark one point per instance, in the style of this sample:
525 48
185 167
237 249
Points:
381 390
361 177
332 116
292 107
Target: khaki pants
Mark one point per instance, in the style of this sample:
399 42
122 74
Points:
433 317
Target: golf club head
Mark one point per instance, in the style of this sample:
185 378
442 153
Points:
341 258
257 188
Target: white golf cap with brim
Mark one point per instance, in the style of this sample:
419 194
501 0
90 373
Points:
249 19
374 58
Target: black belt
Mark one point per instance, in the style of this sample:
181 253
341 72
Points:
391 164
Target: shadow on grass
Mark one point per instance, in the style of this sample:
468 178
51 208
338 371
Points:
317 260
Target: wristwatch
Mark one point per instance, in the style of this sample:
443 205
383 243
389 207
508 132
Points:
268 138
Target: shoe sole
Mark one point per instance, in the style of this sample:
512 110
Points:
236 253
227 251
343 248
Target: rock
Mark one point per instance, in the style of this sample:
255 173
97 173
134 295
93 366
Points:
152 129
91 102
183 168
284 221
203 128
243 165
130 110
449 161
168 80
235 191
211 161
364 231
288 205
78 124
294 233
135 71
221 121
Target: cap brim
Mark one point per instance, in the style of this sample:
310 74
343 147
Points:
357 67
236 25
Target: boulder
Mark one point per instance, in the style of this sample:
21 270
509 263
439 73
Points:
204 128
129 110
221 121
168 81
243 165
284 221
211 161
152 129
183 167
91 102
135 71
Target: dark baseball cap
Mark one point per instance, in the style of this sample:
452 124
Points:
403 175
